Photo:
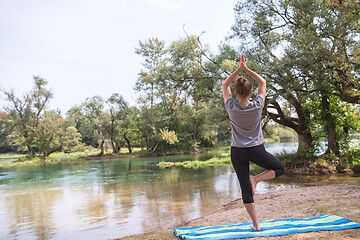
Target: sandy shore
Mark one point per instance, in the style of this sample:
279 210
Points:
342 200
296 203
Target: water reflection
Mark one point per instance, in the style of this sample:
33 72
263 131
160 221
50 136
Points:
30 214
110 199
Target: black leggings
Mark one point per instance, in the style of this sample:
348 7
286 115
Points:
240 158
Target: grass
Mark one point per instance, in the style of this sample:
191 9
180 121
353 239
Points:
220 150
24 160
94 151
10 155
197 164
224 159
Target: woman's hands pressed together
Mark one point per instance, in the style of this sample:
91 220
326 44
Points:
243 63
255 76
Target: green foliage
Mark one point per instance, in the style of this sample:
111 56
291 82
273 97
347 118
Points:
83 125
26 116
351 157
307 50
278 133
71 141
181 93
338 116
5 133
168 136
49 132
118 109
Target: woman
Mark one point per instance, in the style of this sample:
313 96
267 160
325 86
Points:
247 138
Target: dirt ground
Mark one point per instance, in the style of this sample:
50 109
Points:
296 203
342 200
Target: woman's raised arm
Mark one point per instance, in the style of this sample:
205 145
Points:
257 77
226 84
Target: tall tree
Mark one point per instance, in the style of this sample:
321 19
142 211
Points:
305 48
93 110
6 128
153 52
131 125
26 112
117 109
49 133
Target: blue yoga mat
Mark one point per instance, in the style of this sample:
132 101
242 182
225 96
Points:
269 228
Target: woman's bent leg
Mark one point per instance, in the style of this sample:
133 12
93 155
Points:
264 159
254 180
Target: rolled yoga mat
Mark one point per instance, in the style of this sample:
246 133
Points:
269 228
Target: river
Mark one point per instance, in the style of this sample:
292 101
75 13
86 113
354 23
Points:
114 198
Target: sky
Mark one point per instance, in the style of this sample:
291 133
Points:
84 48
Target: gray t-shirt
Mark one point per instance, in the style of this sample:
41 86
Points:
246 122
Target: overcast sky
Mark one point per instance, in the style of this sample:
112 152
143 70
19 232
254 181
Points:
85 48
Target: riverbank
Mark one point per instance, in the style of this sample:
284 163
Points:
341 199
23 160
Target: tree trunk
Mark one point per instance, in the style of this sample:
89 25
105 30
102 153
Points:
305 142
128 143
113 145
148 142
300 127
331 139
102 147
102 140
329 127
30 150
301 124
346 131
112 131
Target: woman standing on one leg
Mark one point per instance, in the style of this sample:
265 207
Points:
247 138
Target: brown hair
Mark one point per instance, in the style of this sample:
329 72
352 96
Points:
243 87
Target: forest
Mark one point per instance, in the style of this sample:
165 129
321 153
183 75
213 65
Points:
308 52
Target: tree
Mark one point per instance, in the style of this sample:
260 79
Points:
93 111
5 133
130 128
25 114
168 136
338 119
306 49
49 133
154 52
71 140
117 109
83 126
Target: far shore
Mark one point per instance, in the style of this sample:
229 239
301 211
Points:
340 199
19 159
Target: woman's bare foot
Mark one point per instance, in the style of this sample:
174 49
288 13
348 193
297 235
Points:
255 228
253 184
